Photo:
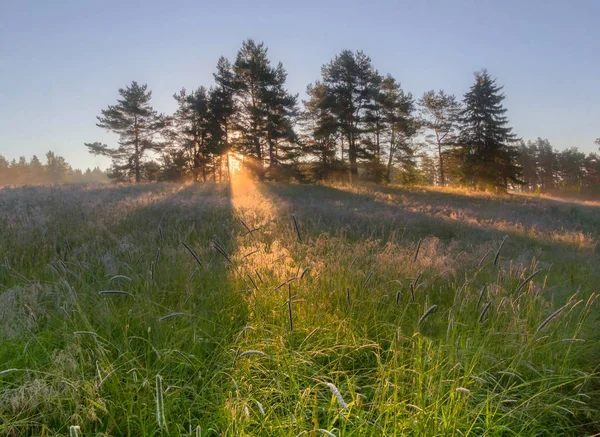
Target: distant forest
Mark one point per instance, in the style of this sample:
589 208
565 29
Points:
356 124
56 170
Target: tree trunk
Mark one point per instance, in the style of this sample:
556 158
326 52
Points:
228 168
220 168
257 147
196 158
196 168
377 144
388 172
136 164
442 179
353 160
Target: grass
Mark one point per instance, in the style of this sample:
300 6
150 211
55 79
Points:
209 310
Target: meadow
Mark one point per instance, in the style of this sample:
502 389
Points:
287 310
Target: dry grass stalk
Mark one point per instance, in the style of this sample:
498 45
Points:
481 294
498 251
550 318
115 292
160 406
289 302
484 311
170 316
252 352
296 228
526 280
337 395
192 252
417 250
427 313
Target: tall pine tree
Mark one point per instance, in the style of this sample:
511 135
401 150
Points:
223 108
440 116
487 146
399 125
352 85
264 111
192 129
137 124
322 133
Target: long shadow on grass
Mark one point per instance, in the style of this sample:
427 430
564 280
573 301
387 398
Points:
190 288
148 304
545 215
367 214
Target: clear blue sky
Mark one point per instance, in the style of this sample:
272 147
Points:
62 61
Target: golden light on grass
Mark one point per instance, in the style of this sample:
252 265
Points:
246 197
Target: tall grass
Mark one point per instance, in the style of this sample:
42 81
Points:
290 310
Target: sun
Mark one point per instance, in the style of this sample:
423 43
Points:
236 163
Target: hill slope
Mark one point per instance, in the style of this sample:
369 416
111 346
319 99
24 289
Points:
282 309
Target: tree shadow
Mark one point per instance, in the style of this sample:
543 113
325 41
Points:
179 309
380 212
543 214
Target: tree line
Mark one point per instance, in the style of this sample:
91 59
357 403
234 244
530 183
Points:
355 124
56 170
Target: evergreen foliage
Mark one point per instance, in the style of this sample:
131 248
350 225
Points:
136 123
486 145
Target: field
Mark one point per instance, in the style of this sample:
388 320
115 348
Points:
287 310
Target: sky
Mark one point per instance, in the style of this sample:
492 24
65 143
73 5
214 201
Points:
63 61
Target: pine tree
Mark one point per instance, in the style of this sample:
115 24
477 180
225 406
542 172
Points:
399 126
5 172
440 112
36 171
571 164
352 85
281 112
591 181
528 162
222 106
191 129
486 143
175 166
322 131
57 168
265 110
252 72
137 124
428 170
547 165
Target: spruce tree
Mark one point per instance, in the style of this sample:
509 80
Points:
486 144
137 124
